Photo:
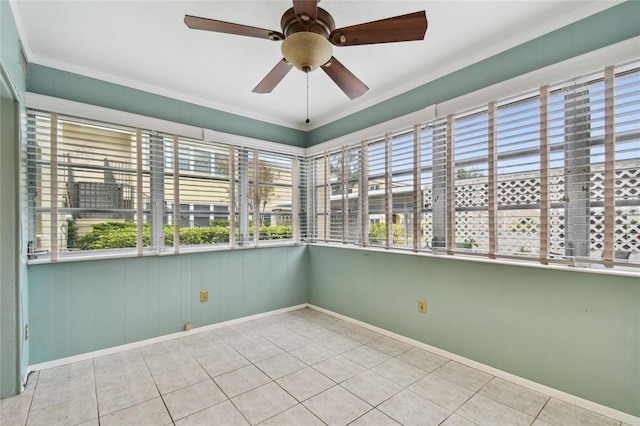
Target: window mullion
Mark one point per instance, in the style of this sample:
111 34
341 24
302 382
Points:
295 199
609 169
139 195
327 199
388 200
577 173
232 196
176 197
345 204
256 198
450 187
364 194
417 190
439 185
54 187
311 197
492 161
156 172
243 195
544 175
32 187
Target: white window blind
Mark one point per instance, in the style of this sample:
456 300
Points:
275 196
517 174
549 175
470 177
101 189
154 201
402 190
81 175
627 163
376 191
435 180
302 201
319 197
335 186
202 208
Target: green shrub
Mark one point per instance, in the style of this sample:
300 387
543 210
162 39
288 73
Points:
275 232
377 233
204 235
219 223
72 234
110 235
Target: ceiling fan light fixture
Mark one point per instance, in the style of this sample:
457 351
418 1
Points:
306 50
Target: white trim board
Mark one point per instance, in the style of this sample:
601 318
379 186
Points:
537 387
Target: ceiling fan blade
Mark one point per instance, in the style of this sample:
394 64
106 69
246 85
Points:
412 26
305 8
346 81
274 77
197 23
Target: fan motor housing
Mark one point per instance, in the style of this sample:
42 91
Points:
323 24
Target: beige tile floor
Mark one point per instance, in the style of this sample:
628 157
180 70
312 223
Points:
297 368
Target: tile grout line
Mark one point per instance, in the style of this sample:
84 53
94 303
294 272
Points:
95 387
33 395
212 378
541 409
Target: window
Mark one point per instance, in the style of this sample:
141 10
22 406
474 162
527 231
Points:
80 175
517 183
274 196
470 135
344 181
203 193
375 202
551 175
98 188
401 188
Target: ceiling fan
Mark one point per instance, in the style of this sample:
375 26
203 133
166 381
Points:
308 33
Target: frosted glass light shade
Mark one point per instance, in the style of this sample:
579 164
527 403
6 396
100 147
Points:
306 50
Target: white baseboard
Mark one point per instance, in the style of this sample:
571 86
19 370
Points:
153 340
555 393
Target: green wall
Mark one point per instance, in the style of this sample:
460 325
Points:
79 307
577 332
9 47
9 252
13 353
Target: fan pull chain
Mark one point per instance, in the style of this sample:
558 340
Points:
307 120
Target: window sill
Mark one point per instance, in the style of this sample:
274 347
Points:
593 268
92 255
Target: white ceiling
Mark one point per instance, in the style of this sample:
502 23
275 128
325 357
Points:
146 45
